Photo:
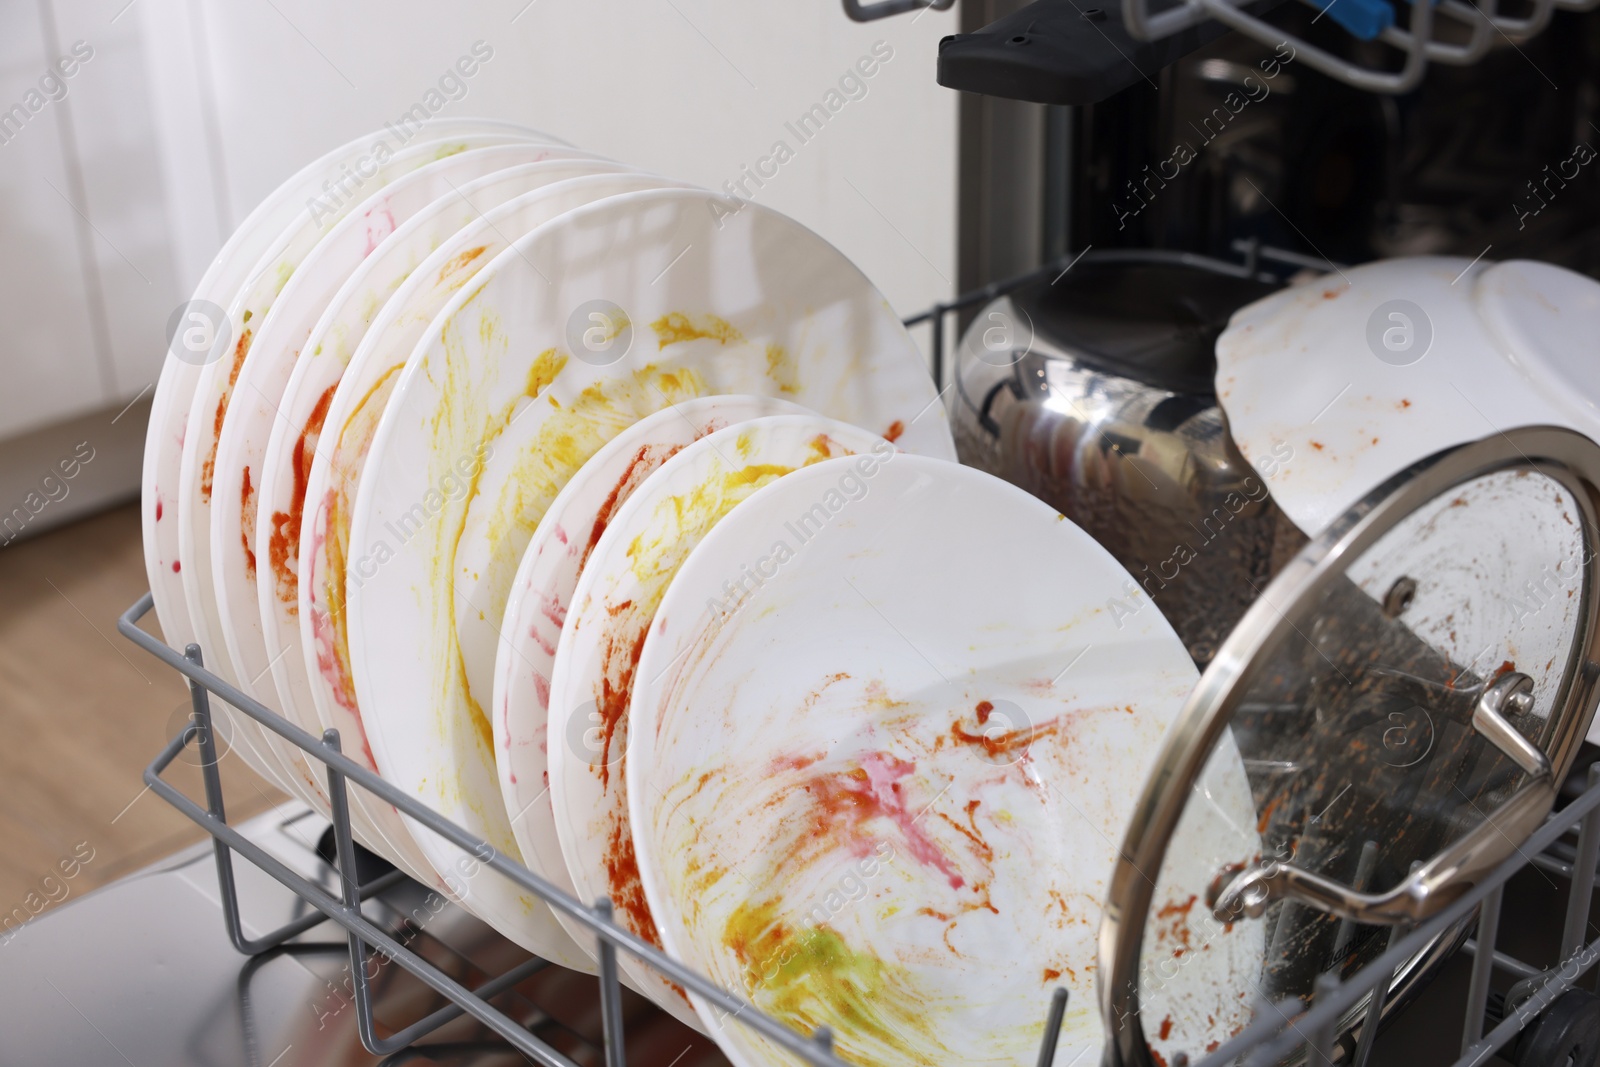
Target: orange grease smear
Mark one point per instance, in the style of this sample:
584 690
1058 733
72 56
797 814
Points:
283 543
208 466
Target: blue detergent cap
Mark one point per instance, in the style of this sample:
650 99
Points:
1362 19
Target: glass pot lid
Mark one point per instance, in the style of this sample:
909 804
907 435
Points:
1387 723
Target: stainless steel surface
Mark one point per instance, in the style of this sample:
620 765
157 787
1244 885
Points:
142 972
882 9
1104 409
1011 191
1513 692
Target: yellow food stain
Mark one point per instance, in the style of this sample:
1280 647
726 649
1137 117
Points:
457 263
679 523
823 447
568 434
543 372
810 977
355 438
781 369
676 327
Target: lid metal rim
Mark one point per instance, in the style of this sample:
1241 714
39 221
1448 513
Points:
1567 457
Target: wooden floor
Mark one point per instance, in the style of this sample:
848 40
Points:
82 712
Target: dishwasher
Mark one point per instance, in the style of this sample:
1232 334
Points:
1102 257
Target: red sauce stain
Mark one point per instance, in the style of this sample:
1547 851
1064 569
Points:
795 763
1328 294
158 511
1159 1059
1266 814
1177 909
645 461
380 224
896 428
1405 403
622 876
1175 932
247 523
176 566
621 660
973 834
1166 1028
851 798
1003 742
283 544
815 695
209 466
1506 667
984 709
553 610
1051 974
1317 445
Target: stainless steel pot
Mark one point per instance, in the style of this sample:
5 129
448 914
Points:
1094 391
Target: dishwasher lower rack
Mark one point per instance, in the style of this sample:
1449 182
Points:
1280 1032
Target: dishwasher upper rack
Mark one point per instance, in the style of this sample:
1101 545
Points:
1279 1031
1416 46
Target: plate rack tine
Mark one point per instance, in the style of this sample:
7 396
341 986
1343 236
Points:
610 992
350 892
1052 1026
202 729
1482 969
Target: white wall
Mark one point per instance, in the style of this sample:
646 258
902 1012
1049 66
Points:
113 199
691 88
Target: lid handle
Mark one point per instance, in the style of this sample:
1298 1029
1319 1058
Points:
1512 691
1433 885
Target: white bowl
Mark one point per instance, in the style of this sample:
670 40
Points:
1332 386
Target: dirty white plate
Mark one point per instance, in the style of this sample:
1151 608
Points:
213 340
876 785
199 337
296 426
621 585
247 316
352 419
580 329
256 409
540 603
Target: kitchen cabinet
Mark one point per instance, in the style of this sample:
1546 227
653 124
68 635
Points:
54 358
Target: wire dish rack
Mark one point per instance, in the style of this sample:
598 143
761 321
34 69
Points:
1280 1032
1453 32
